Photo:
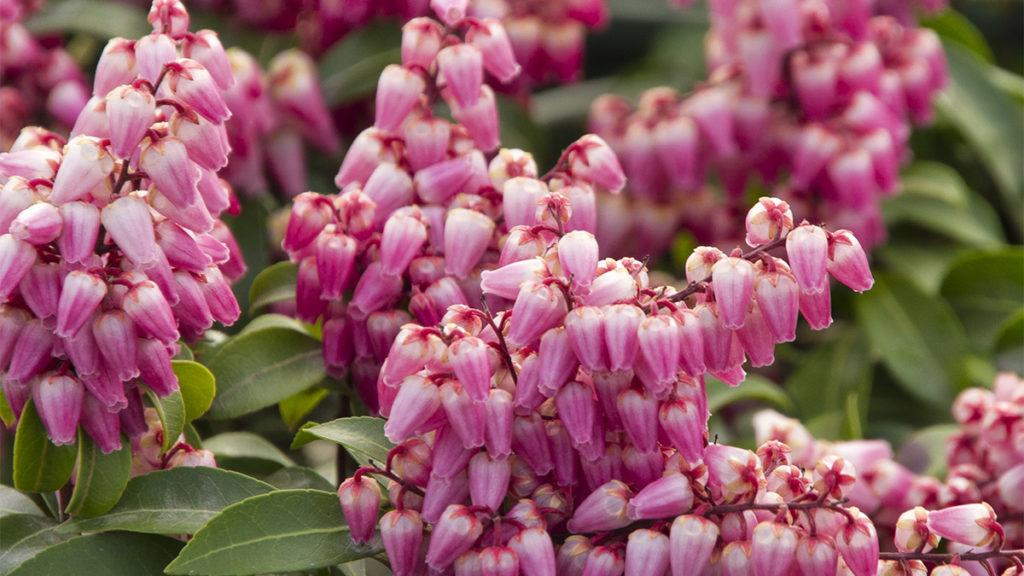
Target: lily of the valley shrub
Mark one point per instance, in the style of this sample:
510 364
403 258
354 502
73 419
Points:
113 248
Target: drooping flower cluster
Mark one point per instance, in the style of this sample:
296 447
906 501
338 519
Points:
580 407
40 83
985 460
812 98
272 115
421 212
112 246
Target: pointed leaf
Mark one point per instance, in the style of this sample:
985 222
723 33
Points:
175 501
101 478
246 452
24 536
986 289
296 407
197 387
362 436
112 554
273 284
39 466
14 502
285 530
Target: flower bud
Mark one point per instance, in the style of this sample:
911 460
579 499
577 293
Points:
103 426
733 283
467 234
31 351
591 158
465 415
155 369
426 141
769 219
421 41
488 480
152 53
817 555
537 308
970 524
684 425
847 261
360 501
604 561
454 533
604 509
585 328
115 336
205 47
80 230
691 541
80 296
857 541
416 402
807 248
736 559
85 164
130 225
398 90
193 85
129 113
116 66
480 119
402 533
666 497
773 546
461 67
535 550
38 224
734 474
912 532
58 400
471 358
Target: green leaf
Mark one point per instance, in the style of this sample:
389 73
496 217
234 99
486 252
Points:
953 26
246 452
112 554
990 121
924 451
198 387
266 321
349 70
1010 345
754 388
24 536
281 531
39 466
171 410
101 478
6 413
986 289
273 284
362 436
298 477
826 378
916 335
14 502
99 18
260 368
295 408
175 501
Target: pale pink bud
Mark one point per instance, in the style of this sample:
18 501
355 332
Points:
471 359
454 533
421 41
426 141
467 233
417 400
58 399
757 339
733 283
778 299
152 53
520 198
647 552
365 153
129 223
169 17
402 532
717 338
192 84
736 559
413 348
11 322
691 540
769 219
398 90
16 260
488 480
220 298
577 409
489 37
1010 484
15 196
167 164
773 545
621 322
442 492
462 68
205 47
507 281
535 550
498 424
129 114
480 118
30 352
311 213
639 414
537 308
529 440
577 253
817 309
390 187
103 426
80 295
556 360
335 261
970 524
857 541
360 501
734 474
684 425
465 416
847 261
833 475
912 532
150 312
807 249
700 262
438 182
604 509
79 232
585 327
85 164
604 561
116 66
817 555
155 366
115 336
591 158
205 142
38 224
666 497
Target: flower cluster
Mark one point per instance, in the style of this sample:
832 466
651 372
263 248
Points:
112 246
580 407
37 78
421 212
985 460
272 115
813 98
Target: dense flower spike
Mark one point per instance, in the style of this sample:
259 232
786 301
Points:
116 249
814 99
574 402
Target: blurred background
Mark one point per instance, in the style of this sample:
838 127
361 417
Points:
947 310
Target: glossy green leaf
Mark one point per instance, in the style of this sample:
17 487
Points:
754 388
101 478
917 336
111 554
990 120
175 501
99 18
295 477
295 408
24 536
14 502
276 283
246 452
198 387
39 466
825 379
349 70
171 410
986 289
260 368
285 530
362 436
